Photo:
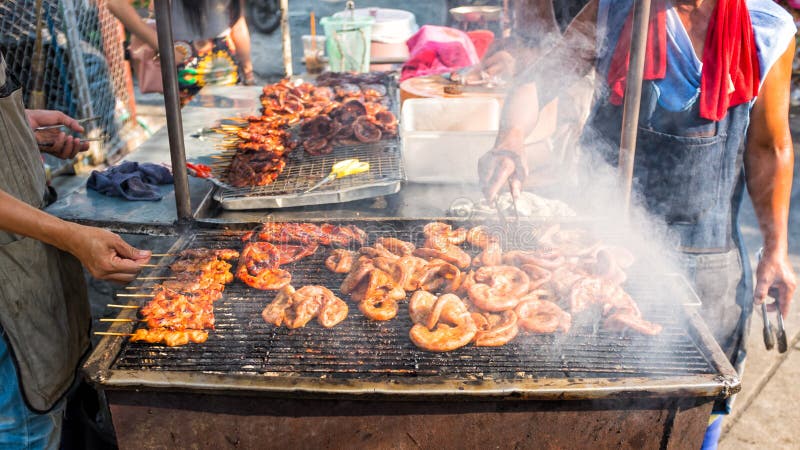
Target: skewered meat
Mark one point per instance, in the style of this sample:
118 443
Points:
177 311
340 260
226 254
168 337
454 327
498 288
542 316
258 267
495 329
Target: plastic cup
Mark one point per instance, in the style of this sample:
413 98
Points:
313 53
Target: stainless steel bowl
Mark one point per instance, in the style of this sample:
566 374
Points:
476 13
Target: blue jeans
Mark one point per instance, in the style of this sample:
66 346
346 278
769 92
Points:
21 428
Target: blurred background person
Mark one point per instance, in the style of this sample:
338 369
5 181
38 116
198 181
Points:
212 41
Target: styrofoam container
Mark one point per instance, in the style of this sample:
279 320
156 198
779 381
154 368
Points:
443 138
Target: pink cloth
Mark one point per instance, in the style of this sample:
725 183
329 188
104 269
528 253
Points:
434 50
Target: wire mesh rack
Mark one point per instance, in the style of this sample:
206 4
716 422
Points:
303 171
69 56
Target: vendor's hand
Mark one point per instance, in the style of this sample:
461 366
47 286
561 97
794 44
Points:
504 166
106 255
55 141
500 64
774 270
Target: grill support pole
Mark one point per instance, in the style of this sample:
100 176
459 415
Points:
633 95
169 76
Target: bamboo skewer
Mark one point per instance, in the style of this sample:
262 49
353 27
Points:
111 305
151 265
135 295
111 333
162 254
120 320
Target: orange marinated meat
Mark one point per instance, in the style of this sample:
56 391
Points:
498 288
340 260
495 329
454 330
542 316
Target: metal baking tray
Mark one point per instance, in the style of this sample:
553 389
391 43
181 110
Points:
302 171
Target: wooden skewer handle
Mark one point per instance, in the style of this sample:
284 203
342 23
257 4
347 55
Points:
135 295
111 305
110 333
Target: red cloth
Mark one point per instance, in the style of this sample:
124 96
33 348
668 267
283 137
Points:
482 39
730 60
434 50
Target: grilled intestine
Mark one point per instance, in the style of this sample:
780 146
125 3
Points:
540 291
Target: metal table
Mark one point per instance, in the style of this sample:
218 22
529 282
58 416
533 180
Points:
205 110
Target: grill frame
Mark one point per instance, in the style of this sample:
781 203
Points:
722 380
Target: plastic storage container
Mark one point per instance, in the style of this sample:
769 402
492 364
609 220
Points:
348 42
443 138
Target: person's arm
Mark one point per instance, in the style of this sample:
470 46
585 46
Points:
240 35
54 141
537 85
126 14
104 254
769 162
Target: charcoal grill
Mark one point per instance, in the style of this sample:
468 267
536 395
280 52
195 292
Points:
374 369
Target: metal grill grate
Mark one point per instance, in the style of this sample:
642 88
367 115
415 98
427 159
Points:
303 171
366 350
83 71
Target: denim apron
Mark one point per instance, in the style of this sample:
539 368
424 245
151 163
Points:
44 310
688 171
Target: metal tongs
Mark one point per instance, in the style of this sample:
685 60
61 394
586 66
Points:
341 169
53 127
768 333
501 216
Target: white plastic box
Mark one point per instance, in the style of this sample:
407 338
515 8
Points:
443 138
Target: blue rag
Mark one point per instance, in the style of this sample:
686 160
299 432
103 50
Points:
131 180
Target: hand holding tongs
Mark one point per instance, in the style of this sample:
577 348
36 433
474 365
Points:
342 169
53 127
768 333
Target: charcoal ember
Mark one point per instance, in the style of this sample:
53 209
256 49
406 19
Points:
366 131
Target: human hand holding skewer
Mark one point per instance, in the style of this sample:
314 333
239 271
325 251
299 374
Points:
105 254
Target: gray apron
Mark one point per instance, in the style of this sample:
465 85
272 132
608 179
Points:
689 172
44 309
